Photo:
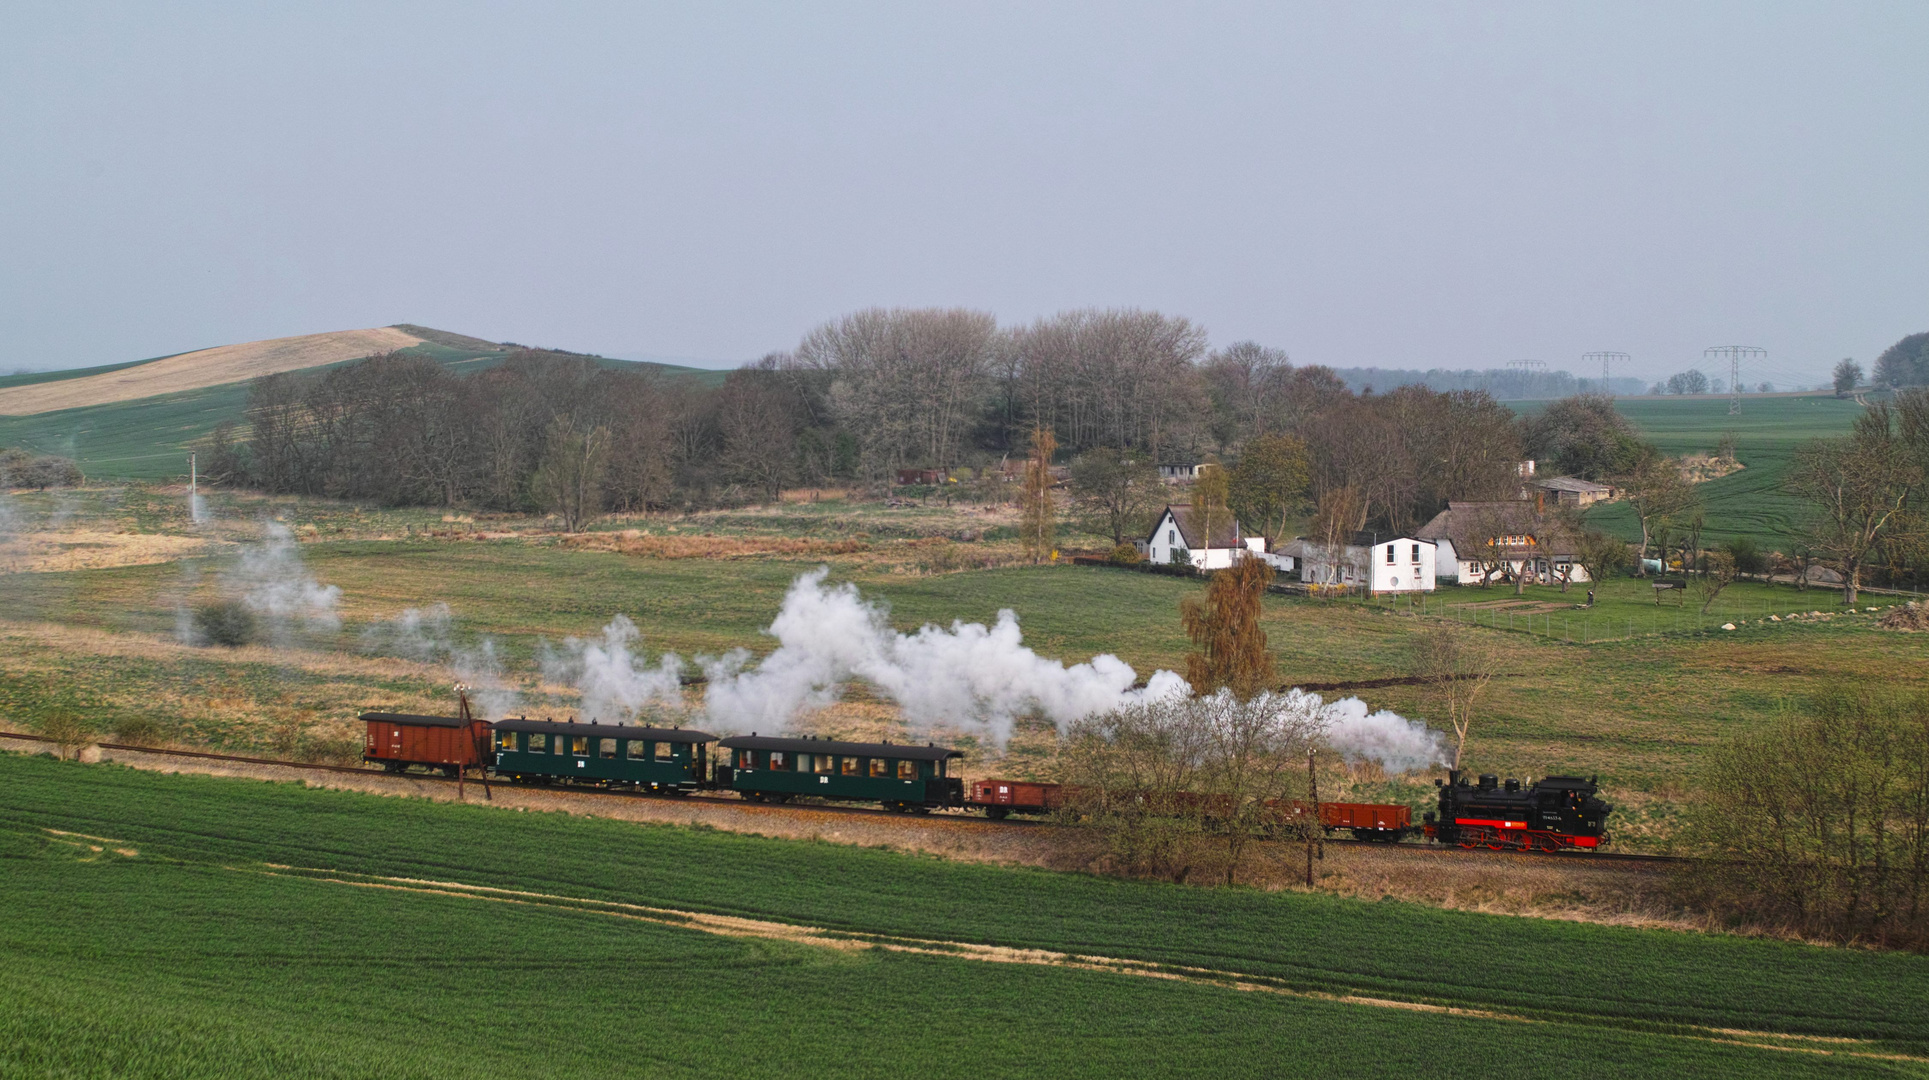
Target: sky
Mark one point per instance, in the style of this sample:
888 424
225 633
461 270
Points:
1360 184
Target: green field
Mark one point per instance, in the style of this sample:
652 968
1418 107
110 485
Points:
1767 434
188 957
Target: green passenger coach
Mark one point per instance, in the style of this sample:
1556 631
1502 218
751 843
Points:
900 776
607 755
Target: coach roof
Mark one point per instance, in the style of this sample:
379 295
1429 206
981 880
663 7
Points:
607 731
897 751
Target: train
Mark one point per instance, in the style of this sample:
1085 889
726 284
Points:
1553 814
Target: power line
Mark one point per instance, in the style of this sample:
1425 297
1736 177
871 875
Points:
1733 354
1618 357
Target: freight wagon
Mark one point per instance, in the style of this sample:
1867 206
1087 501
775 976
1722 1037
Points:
998 798
1367 821
451 744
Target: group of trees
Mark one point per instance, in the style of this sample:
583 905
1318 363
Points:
1867 493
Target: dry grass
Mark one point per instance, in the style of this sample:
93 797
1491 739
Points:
644 544
80 549
207 367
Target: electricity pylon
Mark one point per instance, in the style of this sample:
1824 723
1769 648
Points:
1733 354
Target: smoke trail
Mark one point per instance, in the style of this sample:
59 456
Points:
605 671
277 587
1398 744
428 635
966 674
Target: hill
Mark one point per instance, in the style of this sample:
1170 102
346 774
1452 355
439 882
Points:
136 420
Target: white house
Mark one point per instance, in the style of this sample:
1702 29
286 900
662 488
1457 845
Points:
1181 530
1481 541
1380 564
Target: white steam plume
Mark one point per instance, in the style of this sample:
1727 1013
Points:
967 674
275 585
605 671
1399 745
428 635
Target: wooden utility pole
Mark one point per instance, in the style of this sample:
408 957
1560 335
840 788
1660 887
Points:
1312 782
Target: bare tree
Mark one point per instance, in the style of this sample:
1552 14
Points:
1456 664
1718 574
1117 491
1656 492
569 481
1036 525
1859 485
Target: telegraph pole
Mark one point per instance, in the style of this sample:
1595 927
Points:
1604 357
1734 355
193 478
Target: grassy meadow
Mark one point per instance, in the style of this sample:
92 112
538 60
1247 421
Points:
323 932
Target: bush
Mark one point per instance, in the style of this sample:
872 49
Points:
138 731
1820 823
67 732
226 622
1124 555
1749 559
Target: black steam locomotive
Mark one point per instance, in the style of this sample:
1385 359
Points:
1557 813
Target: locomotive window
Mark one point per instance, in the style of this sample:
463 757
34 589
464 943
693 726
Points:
579 745
638 749
664 750
538 743
907 770
777 759
826 763
880 767
609 748
850 767
506 741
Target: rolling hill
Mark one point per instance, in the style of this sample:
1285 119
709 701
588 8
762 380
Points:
136 420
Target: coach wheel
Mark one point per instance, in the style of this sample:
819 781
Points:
396 766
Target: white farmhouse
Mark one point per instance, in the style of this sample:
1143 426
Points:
1483 541
1377 563
1181 530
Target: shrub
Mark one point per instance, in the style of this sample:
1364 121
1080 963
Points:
67 732
1749 559
138 731
1124 555
225 622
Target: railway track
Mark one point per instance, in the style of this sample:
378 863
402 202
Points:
358 770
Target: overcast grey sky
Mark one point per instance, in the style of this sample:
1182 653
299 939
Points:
1408 185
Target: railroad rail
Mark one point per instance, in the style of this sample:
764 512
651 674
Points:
357 770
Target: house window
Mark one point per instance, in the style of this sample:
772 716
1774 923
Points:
1389 554
907 770
1171 536
1416 553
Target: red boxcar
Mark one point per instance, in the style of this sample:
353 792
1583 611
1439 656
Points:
1368 821
1001 797
449 743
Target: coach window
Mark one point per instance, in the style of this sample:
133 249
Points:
850 767
803 762
777 759
665 750
746 759
880 767
636 749
608 749
907 770
538 744
579 745
826 763
506 741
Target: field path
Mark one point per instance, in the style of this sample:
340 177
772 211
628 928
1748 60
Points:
206 367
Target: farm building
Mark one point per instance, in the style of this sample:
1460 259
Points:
1569 491
1180 473
1373 561
1482 541
923 476
1180 529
